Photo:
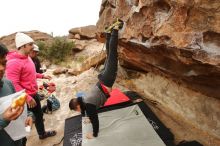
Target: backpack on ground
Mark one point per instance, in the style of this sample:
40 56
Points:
52 104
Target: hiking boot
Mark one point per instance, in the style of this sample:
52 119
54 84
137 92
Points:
47 134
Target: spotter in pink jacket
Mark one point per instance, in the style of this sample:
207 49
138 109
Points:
21 71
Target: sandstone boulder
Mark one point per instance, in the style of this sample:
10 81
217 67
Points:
86 32
59 71
179 39
79 45
87 54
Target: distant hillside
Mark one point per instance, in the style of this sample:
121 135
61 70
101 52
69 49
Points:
9 40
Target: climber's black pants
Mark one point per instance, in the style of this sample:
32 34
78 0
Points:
108 75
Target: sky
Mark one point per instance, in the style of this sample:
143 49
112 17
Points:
50 16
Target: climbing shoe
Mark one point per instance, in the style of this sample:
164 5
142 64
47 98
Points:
118 24
108 29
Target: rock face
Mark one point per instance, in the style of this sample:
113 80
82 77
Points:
190 115
176 38
89 50
86 54
86 32
59 71
179 40
9 40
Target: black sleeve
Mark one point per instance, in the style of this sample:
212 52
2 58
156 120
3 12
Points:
37 65
93 116
83 112
82 106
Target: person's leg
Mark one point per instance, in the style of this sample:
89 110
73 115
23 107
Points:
37 111
39 124
107 37
109 74
21 142
5 139
24 141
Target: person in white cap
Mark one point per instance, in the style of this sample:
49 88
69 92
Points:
21 71
35 59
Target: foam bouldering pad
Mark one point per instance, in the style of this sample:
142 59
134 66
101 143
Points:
161 134
116 97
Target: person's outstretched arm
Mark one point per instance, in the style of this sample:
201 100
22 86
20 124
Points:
93 116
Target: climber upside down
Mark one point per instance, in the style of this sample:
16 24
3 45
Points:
98 94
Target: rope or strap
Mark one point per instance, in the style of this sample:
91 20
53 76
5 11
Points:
59 142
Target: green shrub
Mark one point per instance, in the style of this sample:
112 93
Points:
56 51
43 50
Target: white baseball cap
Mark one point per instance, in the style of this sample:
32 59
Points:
36 48
22 39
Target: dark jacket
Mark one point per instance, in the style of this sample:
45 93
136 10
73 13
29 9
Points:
37 64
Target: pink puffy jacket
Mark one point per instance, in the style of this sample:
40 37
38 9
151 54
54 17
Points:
20 69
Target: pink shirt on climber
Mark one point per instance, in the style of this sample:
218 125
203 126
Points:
21 71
